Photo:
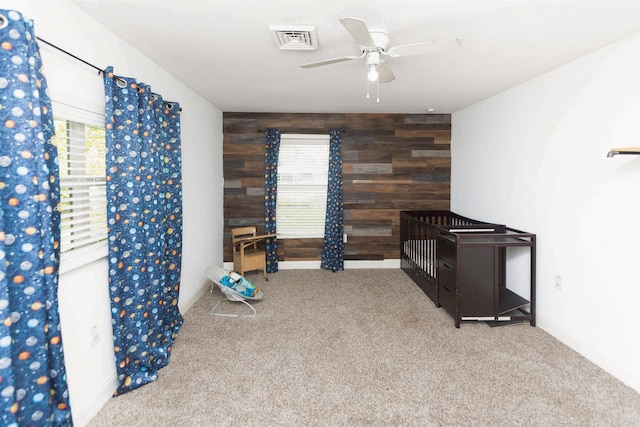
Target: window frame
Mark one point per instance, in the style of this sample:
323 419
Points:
301 140
78 257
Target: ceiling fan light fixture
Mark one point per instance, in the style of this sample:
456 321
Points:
373 73
373 60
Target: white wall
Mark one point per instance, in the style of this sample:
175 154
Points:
534 158
83 292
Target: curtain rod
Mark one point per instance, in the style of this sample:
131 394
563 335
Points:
100 70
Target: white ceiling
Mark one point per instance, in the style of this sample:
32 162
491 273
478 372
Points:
224 49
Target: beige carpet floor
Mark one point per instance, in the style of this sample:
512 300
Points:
366 347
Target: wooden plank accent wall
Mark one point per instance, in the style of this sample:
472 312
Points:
391 163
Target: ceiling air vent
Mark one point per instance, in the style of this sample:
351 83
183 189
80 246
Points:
295 37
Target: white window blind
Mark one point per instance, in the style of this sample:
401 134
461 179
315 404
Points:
301 203
80 138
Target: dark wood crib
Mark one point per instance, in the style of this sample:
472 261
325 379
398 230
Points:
461 264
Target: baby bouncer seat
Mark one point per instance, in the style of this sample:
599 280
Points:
234 287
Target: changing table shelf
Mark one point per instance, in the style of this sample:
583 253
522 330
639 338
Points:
472 282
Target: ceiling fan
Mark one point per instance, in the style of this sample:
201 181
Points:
374 45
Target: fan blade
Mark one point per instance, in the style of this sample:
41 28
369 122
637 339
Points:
385 75
329 61
435 46
359 31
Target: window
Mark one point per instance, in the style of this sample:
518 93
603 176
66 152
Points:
303 168
80 138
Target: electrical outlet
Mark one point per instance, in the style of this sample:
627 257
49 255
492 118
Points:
557 280
95 335
344 237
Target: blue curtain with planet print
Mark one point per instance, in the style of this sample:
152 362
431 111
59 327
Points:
272 151
333 244
144 213
33 381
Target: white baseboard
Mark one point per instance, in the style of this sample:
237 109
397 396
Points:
589 352
315 265
186 305
103 393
